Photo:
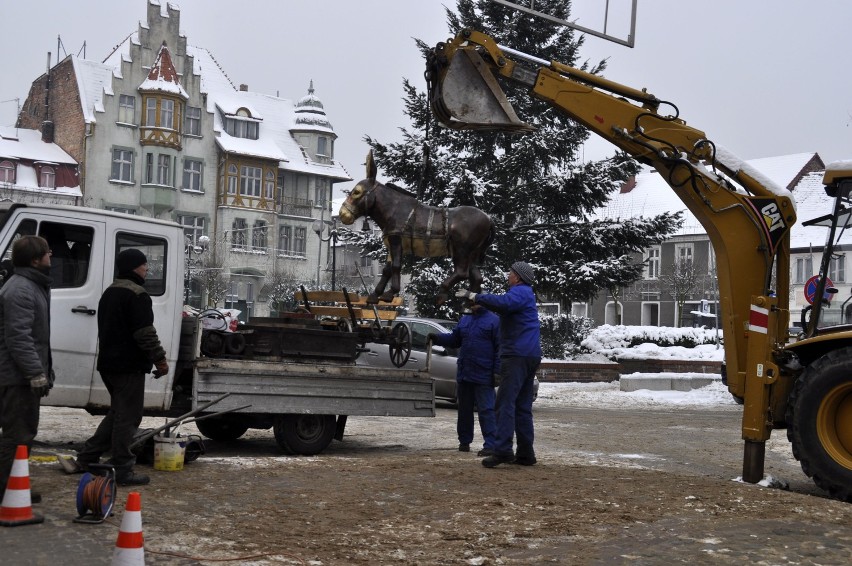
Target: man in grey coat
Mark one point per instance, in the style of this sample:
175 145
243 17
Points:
26 374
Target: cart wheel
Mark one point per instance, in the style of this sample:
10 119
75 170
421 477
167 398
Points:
344 325
399 344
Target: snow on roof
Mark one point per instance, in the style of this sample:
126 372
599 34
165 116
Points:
652 195
213 78
813 203
20 143
93 81
264 147
784 168
231 102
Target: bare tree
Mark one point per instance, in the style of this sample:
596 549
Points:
212 274
280 286
682 282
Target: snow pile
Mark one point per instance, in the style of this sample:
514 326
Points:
609 395
615 342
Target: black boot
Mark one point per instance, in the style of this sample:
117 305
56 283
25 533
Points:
132 478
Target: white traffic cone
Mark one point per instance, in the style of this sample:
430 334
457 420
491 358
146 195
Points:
17 506
130 545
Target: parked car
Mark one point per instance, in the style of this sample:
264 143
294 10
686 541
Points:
443 366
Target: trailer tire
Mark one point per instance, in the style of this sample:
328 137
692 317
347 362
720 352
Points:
819 422
304 435
235 344
224 428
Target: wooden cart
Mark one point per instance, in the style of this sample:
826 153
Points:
349 312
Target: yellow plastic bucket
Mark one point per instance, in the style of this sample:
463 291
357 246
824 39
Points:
169 453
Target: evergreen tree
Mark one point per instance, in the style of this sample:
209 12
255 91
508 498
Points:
533 186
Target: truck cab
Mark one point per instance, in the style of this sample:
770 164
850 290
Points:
84 244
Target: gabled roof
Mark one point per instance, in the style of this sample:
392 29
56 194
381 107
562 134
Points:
162 76
813 203
652 195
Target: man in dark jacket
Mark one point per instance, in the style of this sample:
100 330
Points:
477 336
26 374
129 346
520 356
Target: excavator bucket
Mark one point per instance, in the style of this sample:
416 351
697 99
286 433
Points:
466 96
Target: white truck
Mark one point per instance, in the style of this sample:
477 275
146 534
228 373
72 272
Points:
304 398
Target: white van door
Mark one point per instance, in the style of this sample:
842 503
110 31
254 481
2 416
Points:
165 256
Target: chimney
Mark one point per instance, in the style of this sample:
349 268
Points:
243 88
47 131
628 185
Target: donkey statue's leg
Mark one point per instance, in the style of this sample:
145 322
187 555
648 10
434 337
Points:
390 272
373 298
395 243
461 271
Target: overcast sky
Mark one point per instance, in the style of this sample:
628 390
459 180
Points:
760 78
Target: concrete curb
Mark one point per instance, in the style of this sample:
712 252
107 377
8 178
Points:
667 382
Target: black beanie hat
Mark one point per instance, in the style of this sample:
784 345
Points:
130 259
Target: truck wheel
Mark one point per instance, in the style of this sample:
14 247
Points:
224 428
305 435
819 421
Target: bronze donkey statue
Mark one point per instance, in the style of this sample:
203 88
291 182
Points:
462 233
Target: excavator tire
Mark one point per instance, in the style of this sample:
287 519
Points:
819 422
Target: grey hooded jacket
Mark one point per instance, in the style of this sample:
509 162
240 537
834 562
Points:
25 327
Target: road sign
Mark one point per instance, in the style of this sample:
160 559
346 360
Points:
811 288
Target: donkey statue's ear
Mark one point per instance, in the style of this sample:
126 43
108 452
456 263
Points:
371 166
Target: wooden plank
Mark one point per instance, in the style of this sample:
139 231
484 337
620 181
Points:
362 302
327 296
343 312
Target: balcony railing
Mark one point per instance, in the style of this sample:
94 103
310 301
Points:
296 206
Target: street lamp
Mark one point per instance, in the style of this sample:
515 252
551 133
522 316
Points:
318 228
197 248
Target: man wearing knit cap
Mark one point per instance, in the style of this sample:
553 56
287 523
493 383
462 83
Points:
128 348
520 356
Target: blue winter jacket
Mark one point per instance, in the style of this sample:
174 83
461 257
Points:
477 336
520 331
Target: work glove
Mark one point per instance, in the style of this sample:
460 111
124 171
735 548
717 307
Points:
40 385
466 294
161 368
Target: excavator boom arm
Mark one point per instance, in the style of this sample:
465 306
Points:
747 217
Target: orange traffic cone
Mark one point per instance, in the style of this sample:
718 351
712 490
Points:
130 547
17 506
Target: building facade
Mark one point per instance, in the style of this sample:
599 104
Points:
160 130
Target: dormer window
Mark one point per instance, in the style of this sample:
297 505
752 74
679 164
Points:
48 178
7 172
242 125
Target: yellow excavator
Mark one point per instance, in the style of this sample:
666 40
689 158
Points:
806 386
